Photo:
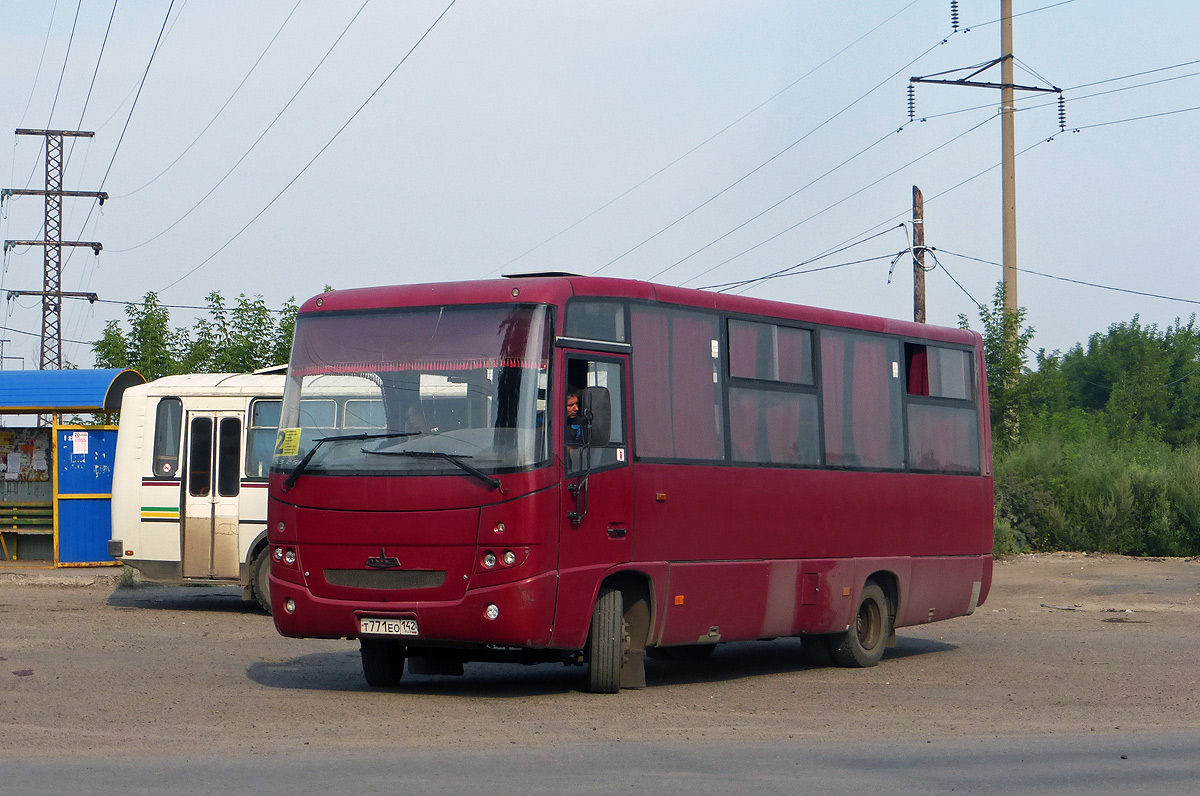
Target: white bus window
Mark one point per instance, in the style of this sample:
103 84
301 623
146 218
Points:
364 414
318 413
260 436
168 424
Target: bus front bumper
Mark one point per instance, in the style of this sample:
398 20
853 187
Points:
519 614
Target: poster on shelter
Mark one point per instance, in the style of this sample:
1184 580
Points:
25 454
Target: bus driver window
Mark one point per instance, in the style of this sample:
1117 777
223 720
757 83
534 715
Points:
595 388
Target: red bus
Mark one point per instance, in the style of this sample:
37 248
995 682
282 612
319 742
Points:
731 469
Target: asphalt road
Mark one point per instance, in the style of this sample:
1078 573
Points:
1079 674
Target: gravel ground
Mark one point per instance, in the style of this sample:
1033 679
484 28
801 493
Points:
1065 644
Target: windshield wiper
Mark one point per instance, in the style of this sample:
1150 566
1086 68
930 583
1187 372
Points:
454 458
290 481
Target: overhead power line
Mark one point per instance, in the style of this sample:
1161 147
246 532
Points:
774 157
844 199
705 142
793 269
1073 281
258 140
221 110
328 143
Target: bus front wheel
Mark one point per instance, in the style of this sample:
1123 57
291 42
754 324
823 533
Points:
260 574
863 644
607 642
382 662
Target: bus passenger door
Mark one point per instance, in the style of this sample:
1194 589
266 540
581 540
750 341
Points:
211 486
596 526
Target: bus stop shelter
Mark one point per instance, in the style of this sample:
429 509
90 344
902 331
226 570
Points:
56 480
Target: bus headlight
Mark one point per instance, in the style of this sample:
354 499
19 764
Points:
492 611
278 554
510 557
489 560
289 605
289 557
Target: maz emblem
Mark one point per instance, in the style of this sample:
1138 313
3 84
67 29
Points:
383 561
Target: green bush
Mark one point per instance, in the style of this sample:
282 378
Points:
1074 485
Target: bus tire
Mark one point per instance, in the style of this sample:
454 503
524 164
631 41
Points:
863 644
382 662
606 642
260 578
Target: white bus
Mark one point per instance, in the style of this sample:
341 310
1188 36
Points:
189 494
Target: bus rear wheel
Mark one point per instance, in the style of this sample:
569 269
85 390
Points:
607 642
863 644
382 662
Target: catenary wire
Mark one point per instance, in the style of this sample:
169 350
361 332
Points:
256 142
66 60
778 154
328 143
221 110
1068 279
703 143
838 202
761 213
785 271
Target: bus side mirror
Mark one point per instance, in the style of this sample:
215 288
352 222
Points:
596 406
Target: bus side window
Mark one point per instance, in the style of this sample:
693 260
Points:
168 423
260 436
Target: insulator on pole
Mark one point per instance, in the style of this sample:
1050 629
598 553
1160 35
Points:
1062 113
954 14
912 103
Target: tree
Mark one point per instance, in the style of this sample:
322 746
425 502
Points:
151 347
237 339
1004 344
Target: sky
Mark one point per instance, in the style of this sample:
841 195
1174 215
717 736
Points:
273 148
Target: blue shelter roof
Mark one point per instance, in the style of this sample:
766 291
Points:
57 391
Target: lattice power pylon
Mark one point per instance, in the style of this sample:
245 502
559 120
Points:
52 242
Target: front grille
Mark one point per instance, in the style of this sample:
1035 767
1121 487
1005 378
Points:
385 580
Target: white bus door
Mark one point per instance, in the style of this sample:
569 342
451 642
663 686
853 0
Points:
211 485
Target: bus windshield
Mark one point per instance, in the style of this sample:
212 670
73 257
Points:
417 391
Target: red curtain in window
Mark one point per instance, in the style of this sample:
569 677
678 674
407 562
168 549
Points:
918 370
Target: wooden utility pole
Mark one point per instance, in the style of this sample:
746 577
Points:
51 358
918 253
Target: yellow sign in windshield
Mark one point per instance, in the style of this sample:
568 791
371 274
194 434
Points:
287 442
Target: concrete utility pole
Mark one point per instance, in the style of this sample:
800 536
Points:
51 357
1008 156
1008 159
918 253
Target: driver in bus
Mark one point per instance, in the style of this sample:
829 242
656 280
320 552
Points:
574 431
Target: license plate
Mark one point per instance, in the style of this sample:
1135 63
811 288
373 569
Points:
371 626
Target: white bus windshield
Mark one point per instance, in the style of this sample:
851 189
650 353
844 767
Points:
417 391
